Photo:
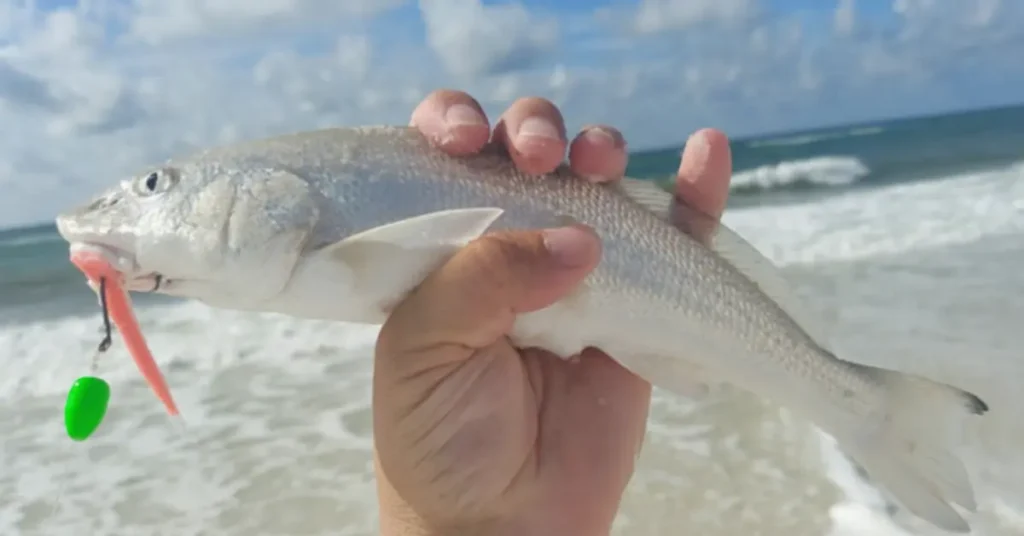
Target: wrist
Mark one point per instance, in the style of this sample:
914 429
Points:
398 518
398 524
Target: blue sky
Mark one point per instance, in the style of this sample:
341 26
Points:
92 90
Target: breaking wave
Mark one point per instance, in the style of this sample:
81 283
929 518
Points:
815 137
820 171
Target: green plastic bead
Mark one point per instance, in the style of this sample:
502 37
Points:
85 407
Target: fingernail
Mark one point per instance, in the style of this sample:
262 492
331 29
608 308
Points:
598 135
697 143
695 153
462 115
570 246
535 127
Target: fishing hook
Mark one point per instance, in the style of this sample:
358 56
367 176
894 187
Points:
108 338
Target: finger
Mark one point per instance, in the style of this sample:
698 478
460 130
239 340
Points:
703 178
627 404
533 131
599 153
453 121
472 300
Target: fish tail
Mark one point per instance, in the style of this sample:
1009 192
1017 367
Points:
910 450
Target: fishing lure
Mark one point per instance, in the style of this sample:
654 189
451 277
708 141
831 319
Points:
119 306
89 396
85 407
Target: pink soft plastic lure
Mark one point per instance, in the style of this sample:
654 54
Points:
119 306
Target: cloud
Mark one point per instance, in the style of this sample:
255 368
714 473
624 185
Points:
473 39
97 89
56 69
845 17
659 15
19 88
157 21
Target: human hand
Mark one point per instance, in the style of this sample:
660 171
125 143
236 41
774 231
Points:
474 436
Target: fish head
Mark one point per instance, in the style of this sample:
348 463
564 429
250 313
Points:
125 222
219 231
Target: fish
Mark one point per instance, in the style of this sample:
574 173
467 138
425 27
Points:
342 223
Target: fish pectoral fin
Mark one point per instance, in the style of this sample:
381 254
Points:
387 262
456 226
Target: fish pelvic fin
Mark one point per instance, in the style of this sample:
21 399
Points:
911 450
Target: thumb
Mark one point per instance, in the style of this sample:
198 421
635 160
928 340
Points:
472 300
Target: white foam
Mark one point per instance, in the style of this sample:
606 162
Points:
269 392
187 335
819 170
900 218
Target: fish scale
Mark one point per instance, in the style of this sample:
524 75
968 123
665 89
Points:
342 223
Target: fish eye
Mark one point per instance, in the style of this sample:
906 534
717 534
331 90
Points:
156 182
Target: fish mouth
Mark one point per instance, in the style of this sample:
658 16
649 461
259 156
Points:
122 261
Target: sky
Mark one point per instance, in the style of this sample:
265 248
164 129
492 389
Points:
92 91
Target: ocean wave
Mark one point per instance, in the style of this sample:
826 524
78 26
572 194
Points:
809 138
28 237
33 239
828 171
916 216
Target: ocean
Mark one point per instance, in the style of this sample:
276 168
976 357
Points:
907 235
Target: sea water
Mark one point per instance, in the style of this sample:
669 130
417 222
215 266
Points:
908 236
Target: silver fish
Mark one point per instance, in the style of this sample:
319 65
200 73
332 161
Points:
341 223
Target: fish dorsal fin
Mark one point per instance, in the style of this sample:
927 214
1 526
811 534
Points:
731 247
648 195
442 228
